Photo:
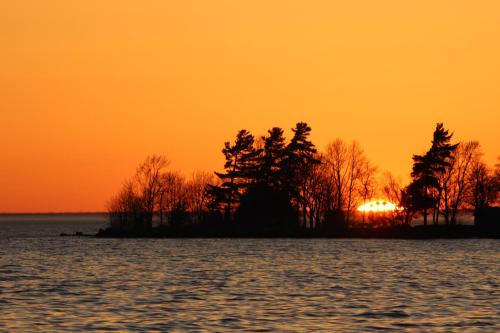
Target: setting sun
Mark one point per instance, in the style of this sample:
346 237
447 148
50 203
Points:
377 206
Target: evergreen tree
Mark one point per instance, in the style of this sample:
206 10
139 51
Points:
272 158
296 165
241 168
426 171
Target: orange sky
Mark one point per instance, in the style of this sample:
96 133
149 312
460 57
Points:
89 88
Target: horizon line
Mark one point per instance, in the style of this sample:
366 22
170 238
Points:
52 213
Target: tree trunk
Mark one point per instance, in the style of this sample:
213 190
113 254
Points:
304 214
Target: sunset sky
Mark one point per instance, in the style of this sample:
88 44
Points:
89 88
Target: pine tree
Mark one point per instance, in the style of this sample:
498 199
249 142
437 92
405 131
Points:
299 159
272 158
426 171
241 168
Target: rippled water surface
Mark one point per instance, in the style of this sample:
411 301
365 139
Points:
50 283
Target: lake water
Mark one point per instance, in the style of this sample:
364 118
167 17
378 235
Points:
50 283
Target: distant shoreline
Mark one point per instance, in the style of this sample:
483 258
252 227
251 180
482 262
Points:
52 213
418 232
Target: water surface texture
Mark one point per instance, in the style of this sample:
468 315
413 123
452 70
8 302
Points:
50 283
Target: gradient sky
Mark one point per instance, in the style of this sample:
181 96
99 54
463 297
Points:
89 88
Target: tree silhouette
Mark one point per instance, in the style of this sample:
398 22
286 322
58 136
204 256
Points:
454 182
148 178
354 175
396 193
336 159
125 209
350 175
174 199
241 167
317 193
427 168
139 198
484 185
196 194
273 155
300 157
367 182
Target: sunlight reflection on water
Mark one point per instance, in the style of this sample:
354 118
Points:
54 284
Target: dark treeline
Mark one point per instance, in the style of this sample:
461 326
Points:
278 187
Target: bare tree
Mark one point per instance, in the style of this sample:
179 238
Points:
393 189
367 182
320 194
154 191
484 185
196 192
315 192
336 157
356 160
454 181
148 179
346 162
125 209
174 198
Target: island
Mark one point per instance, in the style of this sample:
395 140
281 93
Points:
271 187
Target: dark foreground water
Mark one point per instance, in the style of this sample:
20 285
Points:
52 283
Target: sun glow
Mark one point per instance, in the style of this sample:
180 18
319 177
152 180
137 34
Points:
377 206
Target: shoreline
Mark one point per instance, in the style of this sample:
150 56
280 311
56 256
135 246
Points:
418 232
